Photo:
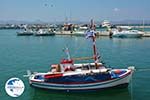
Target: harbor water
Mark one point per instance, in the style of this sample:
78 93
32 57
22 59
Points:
21 53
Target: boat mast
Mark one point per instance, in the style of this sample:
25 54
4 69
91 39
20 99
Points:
95 52
92 26
143 25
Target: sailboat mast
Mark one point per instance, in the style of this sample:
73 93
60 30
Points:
143 25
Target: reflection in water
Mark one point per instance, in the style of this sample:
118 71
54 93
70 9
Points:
109 94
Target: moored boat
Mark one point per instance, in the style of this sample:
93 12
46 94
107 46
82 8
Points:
26 32
127 34
69 76
82 80
44 32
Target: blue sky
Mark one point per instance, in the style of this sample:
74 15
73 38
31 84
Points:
83 10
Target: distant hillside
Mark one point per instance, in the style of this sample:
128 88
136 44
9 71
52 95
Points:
127 22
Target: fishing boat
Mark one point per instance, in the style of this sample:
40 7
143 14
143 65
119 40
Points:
70 76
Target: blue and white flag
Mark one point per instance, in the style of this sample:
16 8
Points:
90 33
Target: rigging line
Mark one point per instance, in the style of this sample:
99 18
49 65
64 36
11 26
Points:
131 87
142 69
78 46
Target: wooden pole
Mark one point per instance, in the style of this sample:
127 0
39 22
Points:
92 27
95 52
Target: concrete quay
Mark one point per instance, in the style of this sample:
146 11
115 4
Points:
105 33
99 33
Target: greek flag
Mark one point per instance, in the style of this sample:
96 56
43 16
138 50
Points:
90 33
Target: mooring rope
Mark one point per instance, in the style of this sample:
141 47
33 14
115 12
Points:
142 69
131 85
131 88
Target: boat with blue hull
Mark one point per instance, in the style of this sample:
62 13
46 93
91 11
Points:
83 80
69 76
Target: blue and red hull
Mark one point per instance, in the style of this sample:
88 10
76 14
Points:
85 82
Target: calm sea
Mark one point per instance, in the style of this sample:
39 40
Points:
21 53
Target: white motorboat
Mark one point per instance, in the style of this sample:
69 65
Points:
44 32
127 33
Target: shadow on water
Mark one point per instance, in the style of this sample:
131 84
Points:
109 94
